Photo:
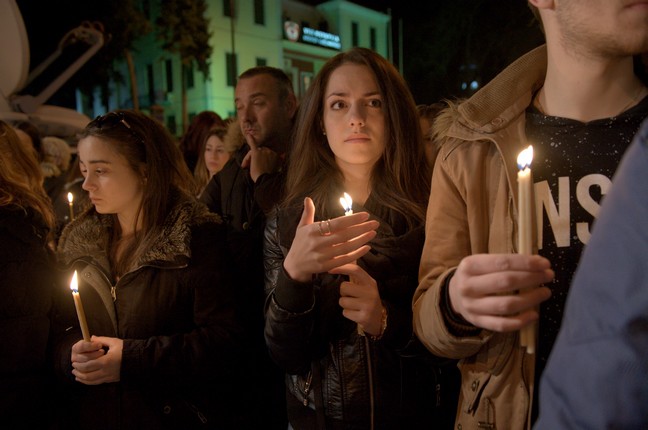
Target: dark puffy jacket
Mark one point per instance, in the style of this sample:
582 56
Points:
242 204
27 287
177 315
328 363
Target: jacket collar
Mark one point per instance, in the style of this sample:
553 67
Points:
88 236
506 97
499 103
496 113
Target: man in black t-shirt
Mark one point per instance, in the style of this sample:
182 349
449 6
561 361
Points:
578 101
576 164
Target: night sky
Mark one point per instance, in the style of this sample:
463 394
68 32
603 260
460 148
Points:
448 44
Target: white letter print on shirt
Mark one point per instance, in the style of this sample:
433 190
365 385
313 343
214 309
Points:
559 215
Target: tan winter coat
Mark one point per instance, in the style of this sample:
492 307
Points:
472 210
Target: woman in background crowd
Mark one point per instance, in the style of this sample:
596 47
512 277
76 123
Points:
27 286
212 158
191 143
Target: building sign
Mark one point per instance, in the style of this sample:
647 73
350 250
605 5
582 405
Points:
294 32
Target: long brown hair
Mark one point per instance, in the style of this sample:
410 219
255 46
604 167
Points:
21 180
152 154
201 173
192 140
400 179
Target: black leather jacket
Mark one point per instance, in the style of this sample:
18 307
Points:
308 336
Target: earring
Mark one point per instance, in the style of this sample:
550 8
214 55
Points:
324 132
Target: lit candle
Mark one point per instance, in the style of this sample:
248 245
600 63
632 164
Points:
74 286
347 204
71 204
525 229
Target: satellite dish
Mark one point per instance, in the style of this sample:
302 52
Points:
14 75
14 46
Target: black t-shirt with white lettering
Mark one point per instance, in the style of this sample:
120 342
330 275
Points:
573 164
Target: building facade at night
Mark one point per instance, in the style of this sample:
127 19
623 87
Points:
294 36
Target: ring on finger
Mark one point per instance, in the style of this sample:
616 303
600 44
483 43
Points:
324 231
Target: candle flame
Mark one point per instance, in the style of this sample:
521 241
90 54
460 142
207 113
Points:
70 197
525 157
74 284
347 204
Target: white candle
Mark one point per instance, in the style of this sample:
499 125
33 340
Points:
347 204
524 201
74 286
70 197
525 229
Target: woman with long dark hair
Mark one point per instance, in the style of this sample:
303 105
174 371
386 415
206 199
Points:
340 286
153 279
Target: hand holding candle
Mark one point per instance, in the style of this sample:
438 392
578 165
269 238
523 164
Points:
70 198
74 286
525 229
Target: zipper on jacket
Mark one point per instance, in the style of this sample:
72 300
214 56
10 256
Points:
113 288
195 410
307 387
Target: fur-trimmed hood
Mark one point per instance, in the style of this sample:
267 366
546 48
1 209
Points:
88 235
444 120
234 138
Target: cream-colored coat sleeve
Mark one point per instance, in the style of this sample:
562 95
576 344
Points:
449 238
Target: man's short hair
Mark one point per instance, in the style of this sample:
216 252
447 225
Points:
285 84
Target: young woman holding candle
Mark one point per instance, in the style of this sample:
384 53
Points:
152 277
357 132
27 286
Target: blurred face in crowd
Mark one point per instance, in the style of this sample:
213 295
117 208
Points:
353 117
215 155
261 112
